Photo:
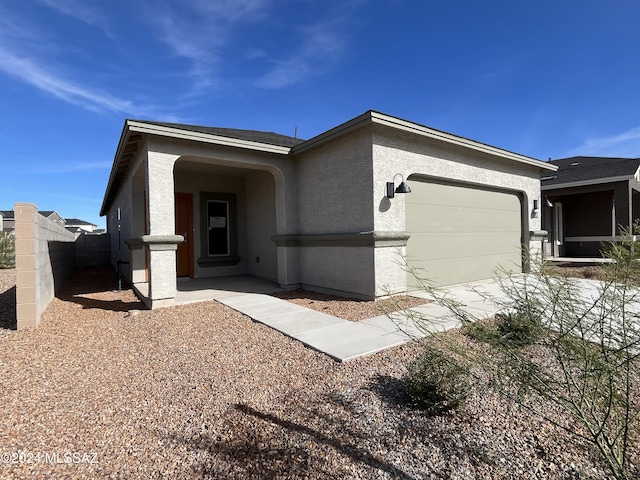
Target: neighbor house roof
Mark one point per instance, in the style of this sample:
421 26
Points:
76 221
9 214
577 171
275 143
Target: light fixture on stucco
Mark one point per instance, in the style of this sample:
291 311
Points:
401 188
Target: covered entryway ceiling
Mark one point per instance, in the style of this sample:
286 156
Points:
461 233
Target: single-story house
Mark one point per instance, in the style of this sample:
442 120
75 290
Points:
9 221
75 224
586 203
327 214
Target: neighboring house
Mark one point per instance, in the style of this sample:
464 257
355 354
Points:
53 216
317 213
8 220
78 226
586 203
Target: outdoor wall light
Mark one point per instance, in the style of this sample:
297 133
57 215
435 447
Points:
549 204
534 214
402 188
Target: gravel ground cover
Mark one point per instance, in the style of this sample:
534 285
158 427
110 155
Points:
349 309
105 389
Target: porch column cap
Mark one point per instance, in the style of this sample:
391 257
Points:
161 242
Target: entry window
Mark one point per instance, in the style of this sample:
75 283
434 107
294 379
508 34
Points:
218 228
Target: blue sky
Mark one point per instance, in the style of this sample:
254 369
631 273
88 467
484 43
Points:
543 78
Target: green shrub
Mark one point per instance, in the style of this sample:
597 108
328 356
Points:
7 250
518 329
436 383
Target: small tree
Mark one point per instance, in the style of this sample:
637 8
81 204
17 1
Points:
7 250
574 348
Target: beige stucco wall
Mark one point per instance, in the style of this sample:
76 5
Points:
44 259
334 196
335 182
346 271
261 225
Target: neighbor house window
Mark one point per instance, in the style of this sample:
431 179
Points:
218 228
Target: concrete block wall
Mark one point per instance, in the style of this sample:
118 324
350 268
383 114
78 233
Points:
45 254
93 250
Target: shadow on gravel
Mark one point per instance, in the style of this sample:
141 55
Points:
85 285
391 390
8 309
267 446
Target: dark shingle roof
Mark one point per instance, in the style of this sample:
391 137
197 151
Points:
77 221
269 138
582 169
7 213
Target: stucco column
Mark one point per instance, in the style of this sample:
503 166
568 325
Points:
161 240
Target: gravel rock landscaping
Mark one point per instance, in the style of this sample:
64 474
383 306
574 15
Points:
201 391
349 309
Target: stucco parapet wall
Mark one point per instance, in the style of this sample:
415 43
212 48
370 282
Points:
355 239
161 242
376 118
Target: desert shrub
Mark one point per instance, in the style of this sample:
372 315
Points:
586 359
7 250
436 383
518 329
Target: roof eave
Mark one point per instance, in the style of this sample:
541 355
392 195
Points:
114 167
132 126
585 183
372 117
164 131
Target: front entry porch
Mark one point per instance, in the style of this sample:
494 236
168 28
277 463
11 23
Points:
192 290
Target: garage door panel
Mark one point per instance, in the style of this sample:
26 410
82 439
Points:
462 220
451 271
461 233
443 245
440 194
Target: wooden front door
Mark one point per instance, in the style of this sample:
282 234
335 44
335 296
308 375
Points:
184 227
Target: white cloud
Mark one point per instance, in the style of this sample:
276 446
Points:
199 31
625 144
43 78
206 33
80 10
322 46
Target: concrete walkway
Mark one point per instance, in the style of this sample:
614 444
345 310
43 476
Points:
344 340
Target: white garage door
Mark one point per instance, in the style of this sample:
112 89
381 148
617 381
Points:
461 233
